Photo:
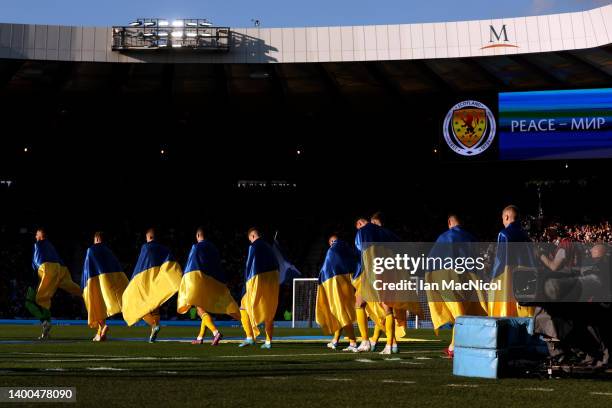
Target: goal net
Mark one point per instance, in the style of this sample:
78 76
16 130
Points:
304 302
305 298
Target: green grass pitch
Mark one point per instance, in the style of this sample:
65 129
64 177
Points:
129 373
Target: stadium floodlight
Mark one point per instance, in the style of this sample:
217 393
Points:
189 33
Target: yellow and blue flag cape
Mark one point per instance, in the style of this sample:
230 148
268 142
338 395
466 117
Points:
156 277
336 295
262 276
366 236
204 282
52 274
508 258
446 306
103 283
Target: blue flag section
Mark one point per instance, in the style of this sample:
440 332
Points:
99 260
367 235
514 255
44 251
340 259
261 258
204 256
151 255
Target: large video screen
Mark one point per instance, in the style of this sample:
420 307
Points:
569 124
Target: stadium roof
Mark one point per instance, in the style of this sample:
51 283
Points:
547 33
382 63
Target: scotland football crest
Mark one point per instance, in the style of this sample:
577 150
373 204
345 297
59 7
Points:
469 128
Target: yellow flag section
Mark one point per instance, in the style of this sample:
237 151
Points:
511 253
155 279
103 284
370 241
446 305
262 276
52 274
204 282
336 295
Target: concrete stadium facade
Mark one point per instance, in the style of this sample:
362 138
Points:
478 38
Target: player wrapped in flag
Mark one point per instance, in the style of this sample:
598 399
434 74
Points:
53 275
156 278
335 307
390 315
446 305
103 283
260 299
509 256
204 285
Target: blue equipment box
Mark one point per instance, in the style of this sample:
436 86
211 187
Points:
483 363
493 332
485 346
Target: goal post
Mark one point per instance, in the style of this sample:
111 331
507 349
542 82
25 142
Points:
304 298
303 302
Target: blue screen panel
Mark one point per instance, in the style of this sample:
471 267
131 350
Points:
569 124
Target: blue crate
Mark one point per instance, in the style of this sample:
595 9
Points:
493 333
482 363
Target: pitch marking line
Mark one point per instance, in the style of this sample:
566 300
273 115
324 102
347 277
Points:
364 360
62 354
398 382
335 379
411 363
539 389
69 360
601 393
285 355
463 385
270 377
107 369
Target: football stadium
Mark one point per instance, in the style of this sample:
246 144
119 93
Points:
195 214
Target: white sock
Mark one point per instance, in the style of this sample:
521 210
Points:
267 342
215 332
199 338
249 339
